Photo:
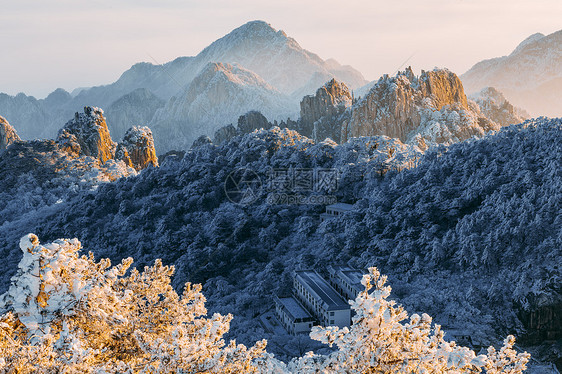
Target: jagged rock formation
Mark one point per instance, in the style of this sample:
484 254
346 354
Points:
137 148
253 120
320 112
87 134
530 77
224 134
430 109
202 140
8 135
495 106
83 155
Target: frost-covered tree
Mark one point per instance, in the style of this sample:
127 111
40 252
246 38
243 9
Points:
67 313
379 342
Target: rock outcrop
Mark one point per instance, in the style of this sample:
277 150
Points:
224 134
137 148
495 106
247 123
202 140
320 112
8 135
430 109
87 135
253 120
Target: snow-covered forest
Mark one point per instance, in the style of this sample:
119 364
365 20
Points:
469 233
68 313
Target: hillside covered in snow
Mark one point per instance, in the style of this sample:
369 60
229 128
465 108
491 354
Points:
469 233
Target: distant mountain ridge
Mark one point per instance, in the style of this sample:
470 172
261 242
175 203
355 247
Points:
217 96
529 77
255 46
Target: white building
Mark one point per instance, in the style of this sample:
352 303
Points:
293 316
335 210
316 294
346 280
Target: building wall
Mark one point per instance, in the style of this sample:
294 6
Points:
289 324
326 317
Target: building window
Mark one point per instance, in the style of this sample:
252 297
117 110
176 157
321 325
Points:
331 313
331 322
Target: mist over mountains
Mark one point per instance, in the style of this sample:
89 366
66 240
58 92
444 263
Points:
281 73
529 77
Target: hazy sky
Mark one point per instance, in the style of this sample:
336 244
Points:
47 44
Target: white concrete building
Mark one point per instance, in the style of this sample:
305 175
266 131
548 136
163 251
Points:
316 294
335 210
293 316
346 280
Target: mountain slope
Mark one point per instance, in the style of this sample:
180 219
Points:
132 109
530 77
472 234
274 56
424 110
217 96
278 59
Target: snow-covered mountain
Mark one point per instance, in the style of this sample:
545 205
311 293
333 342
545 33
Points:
217 96
530 77
277 58
425 110
495 106
255 46
132 109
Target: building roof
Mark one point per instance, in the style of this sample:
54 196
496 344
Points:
318 286
294 308
342 207
352 276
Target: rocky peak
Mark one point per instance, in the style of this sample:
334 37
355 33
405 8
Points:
253 120
431 108
249 35
58 97
8 134
87 135
319 112
443 87
330 99
137 148
495 106
529 40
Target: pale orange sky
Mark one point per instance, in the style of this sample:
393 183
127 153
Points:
74 43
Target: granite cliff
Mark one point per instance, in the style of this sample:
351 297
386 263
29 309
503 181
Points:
137 148
428 109
320 113
8 135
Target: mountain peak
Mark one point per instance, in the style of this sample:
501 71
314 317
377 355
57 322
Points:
248 37
257 27
531 39
8 134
